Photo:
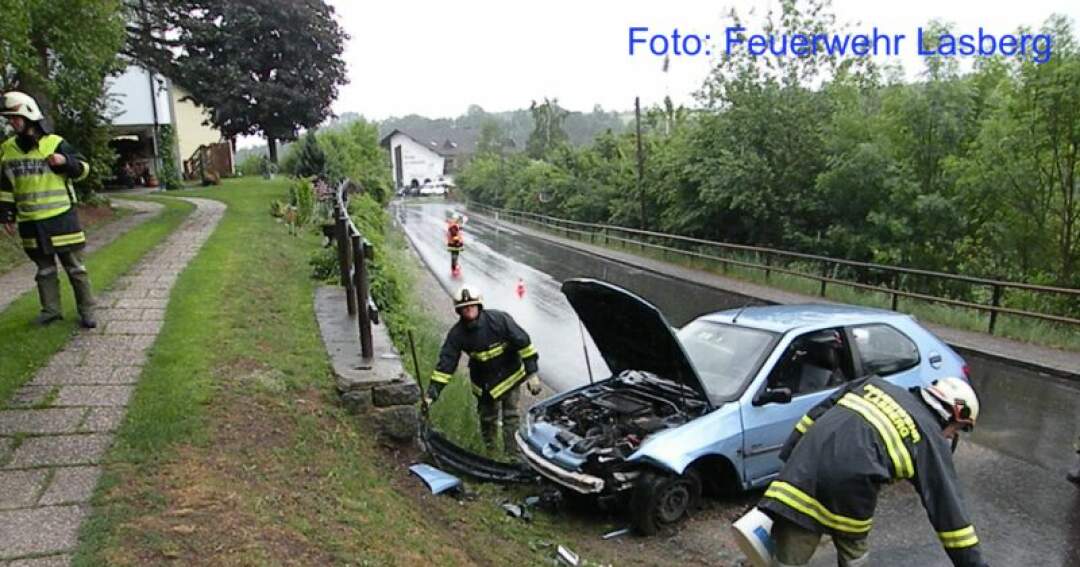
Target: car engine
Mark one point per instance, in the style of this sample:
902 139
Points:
611 419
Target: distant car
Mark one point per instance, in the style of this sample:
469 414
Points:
711 404
432 188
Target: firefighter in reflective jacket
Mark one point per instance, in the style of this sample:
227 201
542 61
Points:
455 243
36 171
501 357
867 434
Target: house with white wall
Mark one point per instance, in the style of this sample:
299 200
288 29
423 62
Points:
140 102
414 162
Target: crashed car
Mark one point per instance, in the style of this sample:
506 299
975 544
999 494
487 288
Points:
707 406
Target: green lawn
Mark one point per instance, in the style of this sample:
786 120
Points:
26 348
235 450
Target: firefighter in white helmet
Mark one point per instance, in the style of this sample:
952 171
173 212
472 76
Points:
868 434
501 358
36 174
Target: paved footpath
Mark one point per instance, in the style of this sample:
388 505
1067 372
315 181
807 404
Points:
20 280
57 428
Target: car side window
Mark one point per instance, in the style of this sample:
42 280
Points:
884 350
812 362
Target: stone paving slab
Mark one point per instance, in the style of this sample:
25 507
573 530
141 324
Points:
103 419
40 422
71 485
21 279
133 328
29 395
35 531
98 395
19 489
50 561
60 375
5 448
60 450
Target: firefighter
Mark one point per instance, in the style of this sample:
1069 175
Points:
455 243
867 434
501 358
36 172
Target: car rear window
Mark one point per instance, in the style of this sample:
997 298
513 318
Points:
725 356
883 350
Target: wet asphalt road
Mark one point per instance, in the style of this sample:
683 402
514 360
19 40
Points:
1012 468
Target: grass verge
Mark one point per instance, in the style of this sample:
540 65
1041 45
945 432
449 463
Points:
26 348
236 452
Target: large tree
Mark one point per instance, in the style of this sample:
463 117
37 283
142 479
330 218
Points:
259 66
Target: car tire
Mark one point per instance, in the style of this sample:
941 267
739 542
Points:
662 499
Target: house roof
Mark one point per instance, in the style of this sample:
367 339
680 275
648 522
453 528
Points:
443 141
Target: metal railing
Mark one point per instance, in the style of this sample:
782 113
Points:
354 252
891 279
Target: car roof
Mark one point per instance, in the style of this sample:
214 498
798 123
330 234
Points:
784 318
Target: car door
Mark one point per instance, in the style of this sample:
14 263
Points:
768 424
879 348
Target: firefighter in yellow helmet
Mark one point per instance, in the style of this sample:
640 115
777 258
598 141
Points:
36 174
501 358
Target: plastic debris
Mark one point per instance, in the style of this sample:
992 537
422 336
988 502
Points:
616 533
435 479
568 557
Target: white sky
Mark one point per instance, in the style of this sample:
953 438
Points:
435 58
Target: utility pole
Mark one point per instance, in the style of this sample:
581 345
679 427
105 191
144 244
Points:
640 160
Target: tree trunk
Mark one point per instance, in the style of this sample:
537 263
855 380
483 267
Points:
271 145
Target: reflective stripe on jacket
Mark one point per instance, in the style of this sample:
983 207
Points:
500 353
37 191
867 434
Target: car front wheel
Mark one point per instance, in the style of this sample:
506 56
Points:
661 499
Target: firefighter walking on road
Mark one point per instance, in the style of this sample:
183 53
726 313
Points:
36 172
455 243
501 358
867 434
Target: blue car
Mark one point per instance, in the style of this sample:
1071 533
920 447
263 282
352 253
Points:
707 407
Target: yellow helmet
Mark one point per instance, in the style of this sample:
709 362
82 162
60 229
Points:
21 104
467 295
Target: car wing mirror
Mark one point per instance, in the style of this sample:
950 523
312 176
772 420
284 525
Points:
773 396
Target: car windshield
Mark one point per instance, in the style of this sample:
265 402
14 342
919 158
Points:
725 356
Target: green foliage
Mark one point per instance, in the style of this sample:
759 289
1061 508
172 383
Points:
170 173
64 66
548 133
302 198
353 152
975 173
277 85
251 166
310 159
277 208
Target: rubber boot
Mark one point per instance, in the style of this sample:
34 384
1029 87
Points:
80 282
48 284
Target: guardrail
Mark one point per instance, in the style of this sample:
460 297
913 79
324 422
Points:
354 251
890 280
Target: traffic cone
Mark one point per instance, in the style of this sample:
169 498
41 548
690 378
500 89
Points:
520 288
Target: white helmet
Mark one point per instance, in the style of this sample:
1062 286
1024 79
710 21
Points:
467 295
954 400
21 104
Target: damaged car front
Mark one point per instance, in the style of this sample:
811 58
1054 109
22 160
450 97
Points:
638 438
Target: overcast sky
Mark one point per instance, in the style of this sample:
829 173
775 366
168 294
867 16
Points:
435 58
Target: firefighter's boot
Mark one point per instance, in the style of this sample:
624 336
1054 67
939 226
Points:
48 285
84 293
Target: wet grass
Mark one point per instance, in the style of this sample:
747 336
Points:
26 348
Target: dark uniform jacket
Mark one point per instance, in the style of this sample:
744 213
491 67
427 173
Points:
58 232
869 433
500 353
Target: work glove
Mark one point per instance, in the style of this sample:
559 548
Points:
433 392
532 382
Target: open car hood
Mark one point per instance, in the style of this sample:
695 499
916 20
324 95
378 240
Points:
630 332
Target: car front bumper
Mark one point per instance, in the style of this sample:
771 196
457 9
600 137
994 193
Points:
578 482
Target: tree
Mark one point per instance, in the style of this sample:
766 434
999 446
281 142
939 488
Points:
64 67
548 131
259 66
311 161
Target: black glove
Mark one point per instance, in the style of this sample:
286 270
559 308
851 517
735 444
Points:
433 391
